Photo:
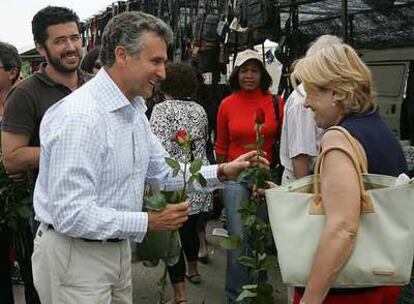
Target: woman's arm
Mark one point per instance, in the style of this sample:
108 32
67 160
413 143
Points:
222 136
341 200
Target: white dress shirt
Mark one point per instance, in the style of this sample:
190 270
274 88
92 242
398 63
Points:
299 132
97 151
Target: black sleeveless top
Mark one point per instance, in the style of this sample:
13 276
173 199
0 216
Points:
383 150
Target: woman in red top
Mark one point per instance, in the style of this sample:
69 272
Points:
250 84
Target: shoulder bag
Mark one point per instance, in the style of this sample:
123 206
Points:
384 247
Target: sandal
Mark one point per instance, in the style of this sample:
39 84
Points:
204 259
194 278
179 302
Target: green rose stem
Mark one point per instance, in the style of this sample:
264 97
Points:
187 152
184 141
257 229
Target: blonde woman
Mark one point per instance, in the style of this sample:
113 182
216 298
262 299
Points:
340 92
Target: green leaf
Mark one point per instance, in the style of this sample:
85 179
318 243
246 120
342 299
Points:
156 202
249 287
250 147
270 262
230 243
250 220
192 179
262 256
246 174
196 166
172 163
264 294
172 197
246 294
201 180
247 261
175 172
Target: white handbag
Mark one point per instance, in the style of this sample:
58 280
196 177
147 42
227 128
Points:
384 248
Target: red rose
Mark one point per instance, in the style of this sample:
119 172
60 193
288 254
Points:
259 116
182 137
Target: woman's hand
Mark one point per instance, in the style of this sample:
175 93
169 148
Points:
260 191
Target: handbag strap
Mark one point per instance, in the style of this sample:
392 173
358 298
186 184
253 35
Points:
316 203
355 147
276 107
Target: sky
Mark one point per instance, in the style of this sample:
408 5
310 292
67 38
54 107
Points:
16 17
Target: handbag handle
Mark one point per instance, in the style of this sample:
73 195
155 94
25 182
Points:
316 206
355 147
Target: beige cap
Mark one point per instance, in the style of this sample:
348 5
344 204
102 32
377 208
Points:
246 55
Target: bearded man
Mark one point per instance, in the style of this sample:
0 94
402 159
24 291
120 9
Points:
57 39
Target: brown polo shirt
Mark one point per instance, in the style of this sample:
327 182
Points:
28 101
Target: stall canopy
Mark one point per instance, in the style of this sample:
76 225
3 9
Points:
369 23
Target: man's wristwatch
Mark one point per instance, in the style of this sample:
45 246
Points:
220 172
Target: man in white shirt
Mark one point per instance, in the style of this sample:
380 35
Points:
300 136
97 151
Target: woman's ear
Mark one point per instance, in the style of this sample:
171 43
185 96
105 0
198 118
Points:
335 98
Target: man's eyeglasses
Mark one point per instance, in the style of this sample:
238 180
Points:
64 39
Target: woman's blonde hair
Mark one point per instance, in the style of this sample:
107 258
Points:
338 67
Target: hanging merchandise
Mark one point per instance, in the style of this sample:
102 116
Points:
273 65
206 24
205 47
122 7
255 13
209 28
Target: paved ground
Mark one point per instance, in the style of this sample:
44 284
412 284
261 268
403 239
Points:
211 290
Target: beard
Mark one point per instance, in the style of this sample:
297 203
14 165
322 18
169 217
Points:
58 63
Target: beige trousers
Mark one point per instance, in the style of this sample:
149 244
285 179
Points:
68 270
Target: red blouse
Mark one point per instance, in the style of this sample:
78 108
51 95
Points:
236 127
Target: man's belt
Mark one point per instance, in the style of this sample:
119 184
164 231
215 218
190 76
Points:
89 240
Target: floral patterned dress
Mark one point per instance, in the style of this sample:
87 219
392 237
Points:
166 119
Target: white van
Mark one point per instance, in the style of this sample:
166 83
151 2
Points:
390 69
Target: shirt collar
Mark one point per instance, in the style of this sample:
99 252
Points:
41 74
112 97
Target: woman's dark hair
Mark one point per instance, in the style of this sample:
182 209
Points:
90 59
9 57
265 80
180 81
51 15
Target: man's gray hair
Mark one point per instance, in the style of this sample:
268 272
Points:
128 29
322 42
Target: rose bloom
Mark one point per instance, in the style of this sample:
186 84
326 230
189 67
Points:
182 137
259 116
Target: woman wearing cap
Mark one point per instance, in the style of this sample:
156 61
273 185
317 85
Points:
250 84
